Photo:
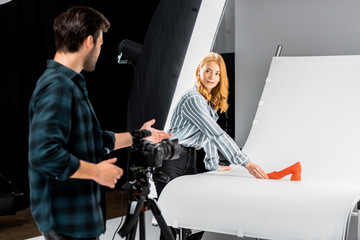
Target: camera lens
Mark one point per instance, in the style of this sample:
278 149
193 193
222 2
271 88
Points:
167 150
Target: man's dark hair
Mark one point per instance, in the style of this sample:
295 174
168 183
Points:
73 26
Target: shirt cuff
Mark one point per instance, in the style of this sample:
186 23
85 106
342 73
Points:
74 164
247 160
108 138
215 167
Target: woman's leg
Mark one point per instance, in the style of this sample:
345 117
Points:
184 165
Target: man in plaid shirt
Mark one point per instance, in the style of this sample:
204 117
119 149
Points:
66 142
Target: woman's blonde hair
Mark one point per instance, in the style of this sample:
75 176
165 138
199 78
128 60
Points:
219 94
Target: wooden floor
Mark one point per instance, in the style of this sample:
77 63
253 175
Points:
22 225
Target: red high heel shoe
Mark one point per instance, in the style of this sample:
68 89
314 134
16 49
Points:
295 170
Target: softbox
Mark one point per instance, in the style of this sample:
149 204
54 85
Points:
178 31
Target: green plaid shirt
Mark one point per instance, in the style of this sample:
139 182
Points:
64 129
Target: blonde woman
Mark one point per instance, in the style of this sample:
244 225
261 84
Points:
193 123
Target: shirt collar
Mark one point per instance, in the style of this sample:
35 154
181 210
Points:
61 68
68 72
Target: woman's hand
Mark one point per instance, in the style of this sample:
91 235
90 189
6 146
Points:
256 170
224 168
156 135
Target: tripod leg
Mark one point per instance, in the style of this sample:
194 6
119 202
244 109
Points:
161 221
131 235
142 226
132 217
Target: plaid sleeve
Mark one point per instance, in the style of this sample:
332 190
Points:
49 132
108 138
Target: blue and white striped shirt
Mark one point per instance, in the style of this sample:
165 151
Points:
193 123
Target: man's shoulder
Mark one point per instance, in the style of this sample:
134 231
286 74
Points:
52 77
52 85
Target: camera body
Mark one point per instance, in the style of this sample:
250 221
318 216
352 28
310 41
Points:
143 154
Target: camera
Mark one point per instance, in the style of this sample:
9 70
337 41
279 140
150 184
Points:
143 154
145 158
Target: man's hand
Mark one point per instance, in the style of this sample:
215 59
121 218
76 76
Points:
104 173
107 174
156 135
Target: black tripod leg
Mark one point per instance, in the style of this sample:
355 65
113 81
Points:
142 226
132 219
131 235
160 220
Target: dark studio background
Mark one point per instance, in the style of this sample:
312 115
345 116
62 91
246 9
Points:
26 43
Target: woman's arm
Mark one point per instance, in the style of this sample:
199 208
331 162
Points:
197 112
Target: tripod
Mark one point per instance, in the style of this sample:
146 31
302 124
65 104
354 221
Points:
137 208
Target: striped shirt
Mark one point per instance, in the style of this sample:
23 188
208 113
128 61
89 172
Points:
193 123
63 129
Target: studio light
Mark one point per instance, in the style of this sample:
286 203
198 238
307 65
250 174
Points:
129 52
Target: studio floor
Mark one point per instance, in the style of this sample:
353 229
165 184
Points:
22 226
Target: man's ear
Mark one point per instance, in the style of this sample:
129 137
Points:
89 42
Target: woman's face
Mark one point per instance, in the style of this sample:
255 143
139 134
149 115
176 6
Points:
209 75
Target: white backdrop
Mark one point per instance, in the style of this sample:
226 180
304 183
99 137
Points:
4 1
329 27
310 112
